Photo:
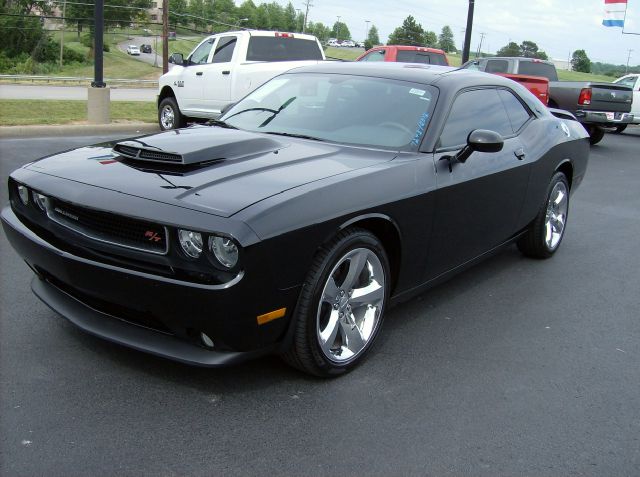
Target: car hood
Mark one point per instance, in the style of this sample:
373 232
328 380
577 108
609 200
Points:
222 171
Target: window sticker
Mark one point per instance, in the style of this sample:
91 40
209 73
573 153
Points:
422 124
419 92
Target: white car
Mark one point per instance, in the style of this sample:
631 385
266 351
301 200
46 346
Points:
348 44
133 50
633 82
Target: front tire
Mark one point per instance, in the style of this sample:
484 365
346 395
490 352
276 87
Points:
169 115
545 233
341 305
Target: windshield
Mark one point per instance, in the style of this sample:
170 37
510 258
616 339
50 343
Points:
347 109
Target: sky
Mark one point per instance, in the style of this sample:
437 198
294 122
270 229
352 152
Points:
559 27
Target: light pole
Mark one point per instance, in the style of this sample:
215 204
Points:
366 34
467 36
628 58
338 29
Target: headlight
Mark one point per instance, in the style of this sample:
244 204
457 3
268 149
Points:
41 200
23 192
191 242
225 251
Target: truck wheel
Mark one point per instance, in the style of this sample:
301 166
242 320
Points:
169 115
596 133
619 129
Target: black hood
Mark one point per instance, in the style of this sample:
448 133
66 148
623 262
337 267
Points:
224 170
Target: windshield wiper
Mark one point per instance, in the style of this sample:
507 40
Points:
274 111
301 136
221 124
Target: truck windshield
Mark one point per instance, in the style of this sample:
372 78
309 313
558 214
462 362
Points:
358 110
273 48
415 56
536 68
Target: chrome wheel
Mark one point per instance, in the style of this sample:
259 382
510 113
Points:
167 117
351 305
556 215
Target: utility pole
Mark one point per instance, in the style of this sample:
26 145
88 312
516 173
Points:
165 36
338 30
366 32
467 36
462 31
64 9
307 4
628 58
480 44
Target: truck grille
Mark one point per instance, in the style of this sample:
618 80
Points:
110 228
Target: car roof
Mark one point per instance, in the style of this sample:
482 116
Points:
413 72
519 58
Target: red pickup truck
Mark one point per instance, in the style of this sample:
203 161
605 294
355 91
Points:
406 54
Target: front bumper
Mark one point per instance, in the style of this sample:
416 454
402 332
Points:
151 313
604 118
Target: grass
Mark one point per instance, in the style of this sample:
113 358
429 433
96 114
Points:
19 112
564 75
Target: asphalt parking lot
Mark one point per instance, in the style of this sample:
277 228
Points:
515 367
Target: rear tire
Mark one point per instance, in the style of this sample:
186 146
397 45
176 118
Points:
596 133
545 233
341 305
169 115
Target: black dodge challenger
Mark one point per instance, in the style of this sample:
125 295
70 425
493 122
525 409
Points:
291 223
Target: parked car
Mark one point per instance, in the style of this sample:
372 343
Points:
348 44
595 105
294 221
145 48
225 67
406 54
334 43
632 81
133 50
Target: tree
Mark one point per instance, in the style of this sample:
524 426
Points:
248 10
511 49
430 39
81 13
319 30
580 61
372 38
446 41
529 49
177 9
410 33
340 31
289 17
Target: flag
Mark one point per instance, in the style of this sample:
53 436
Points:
614 13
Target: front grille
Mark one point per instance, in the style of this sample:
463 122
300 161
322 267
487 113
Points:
110 228
147 155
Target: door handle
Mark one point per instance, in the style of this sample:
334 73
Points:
226 72
198 73
520 154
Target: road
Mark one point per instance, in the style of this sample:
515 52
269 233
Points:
516 367
20 91
153 58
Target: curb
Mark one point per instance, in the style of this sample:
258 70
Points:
76 130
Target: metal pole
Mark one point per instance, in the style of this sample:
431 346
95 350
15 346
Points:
366 34
64 9
98 45
628 58
338 30
165 36
467 36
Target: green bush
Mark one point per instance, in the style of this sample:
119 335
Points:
87 40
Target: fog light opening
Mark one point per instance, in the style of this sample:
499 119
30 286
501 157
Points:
23 193
208 342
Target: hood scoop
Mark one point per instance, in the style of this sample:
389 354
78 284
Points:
196 146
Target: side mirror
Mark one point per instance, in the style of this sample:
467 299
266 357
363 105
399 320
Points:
226 108
481 140
177 59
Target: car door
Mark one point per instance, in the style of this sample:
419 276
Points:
193 76
478 202
633 81
218 75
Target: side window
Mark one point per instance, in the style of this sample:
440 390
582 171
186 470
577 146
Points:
475 109
377 55
224 49
630 81
517 113
497 66
201 54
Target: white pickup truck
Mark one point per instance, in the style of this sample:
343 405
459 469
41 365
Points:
225 67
